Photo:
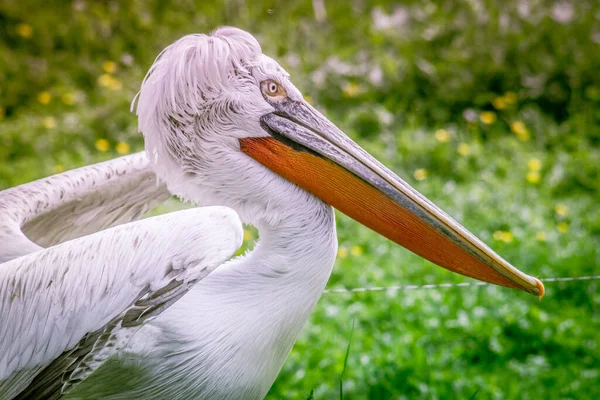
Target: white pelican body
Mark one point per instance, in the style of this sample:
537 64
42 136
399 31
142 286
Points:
224 126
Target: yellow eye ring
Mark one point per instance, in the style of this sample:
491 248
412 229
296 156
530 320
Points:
272 88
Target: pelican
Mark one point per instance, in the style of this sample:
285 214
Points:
87 295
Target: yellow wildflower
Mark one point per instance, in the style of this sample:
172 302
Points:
518 127
58 168
561 209
524 137
24 30
350 89
115 84
356 251
464 149
104 80
442 135
510 97
110 67
541 236
108 81
487 117
499 103
342 252
308 99
534 164
520 130
562 227
45 97
122 148
49 123
503 236
102 145
420 174
533 177
68 98
248 235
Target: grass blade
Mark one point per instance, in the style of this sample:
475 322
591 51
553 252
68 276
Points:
346 362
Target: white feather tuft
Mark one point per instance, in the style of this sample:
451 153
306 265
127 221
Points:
189 78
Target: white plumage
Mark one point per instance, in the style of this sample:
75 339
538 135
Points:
291 263
52 298
223 126
66 206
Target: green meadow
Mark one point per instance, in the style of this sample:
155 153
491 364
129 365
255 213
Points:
490 109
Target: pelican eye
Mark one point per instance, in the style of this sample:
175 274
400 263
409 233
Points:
272 89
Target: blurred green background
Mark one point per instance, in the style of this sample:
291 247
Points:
491 109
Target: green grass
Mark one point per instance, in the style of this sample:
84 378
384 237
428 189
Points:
531 192
450 343
345 362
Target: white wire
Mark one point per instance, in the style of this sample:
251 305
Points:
448 285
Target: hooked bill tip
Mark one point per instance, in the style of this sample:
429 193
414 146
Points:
540 286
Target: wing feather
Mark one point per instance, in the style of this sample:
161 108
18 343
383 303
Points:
76 203
66 309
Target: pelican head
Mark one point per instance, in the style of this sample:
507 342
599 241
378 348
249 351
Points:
224 125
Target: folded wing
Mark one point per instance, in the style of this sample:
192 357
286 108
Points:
76 203
66 309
